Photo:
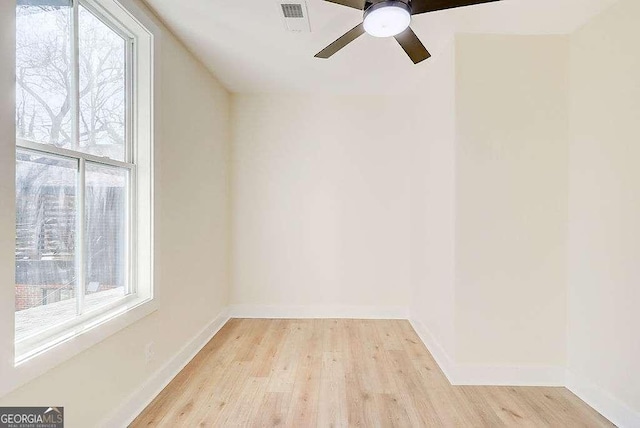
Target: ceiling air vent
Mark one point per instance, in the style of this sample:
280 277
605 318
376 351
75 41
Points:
295 15
290 10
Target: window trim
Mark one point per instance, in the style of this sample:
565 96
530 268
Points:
147 66
40 341
34 345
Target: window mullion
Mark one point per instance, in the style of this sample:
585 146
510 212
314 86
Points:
80 201
132 250
75 77
81 269
129 70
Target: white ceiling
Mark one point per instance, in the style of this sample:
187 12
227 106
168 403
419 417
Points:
244 43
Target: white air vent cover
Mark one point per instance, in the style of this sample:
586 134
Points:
294 15
290 10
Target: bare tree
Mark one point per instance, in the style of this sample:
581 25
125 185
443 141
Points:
44 73
102 85
45 102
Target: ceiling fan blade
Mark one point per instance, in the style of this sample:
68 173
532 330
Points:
356 4
343 41
423 6
412 46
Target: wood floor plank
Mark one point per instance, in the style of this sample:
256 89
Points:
342 373
306 388
272 410
332 410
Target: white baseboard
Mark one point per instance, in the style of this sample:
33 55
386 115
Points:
140 399
605 403
446 363
472 374
318 311
468 374
460 374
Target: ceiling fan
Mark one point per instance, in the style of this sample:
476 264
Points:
391 18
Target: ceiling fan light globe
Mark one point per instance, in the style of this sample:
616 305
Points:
387 19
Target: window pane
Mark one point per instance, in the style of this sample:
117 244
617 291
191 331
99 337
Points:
102 88
106 228
44 72
45 241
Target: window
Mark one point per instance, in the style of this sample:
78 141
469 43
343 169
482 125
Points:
83 168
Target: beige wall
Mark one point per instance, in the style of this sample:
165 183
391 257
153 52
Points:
192 227
511 199
321 198
604 227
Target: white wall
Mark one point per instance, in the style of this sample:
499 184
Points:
546 194
321 200
349 201
604 227
192 226
490 210
511 199
456 204
432 201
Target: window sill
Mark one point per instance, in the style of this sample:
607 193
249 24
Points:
64 348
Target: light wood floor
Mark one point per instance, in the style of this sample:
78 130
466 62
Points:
332 373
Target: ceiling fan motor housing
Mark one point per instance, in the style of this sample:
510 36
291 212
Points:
369 3
387 18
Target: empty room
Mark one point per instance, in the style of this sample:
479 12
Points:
319 213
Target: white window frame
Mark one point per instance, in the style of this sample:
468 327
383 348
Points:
86 330
44 339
